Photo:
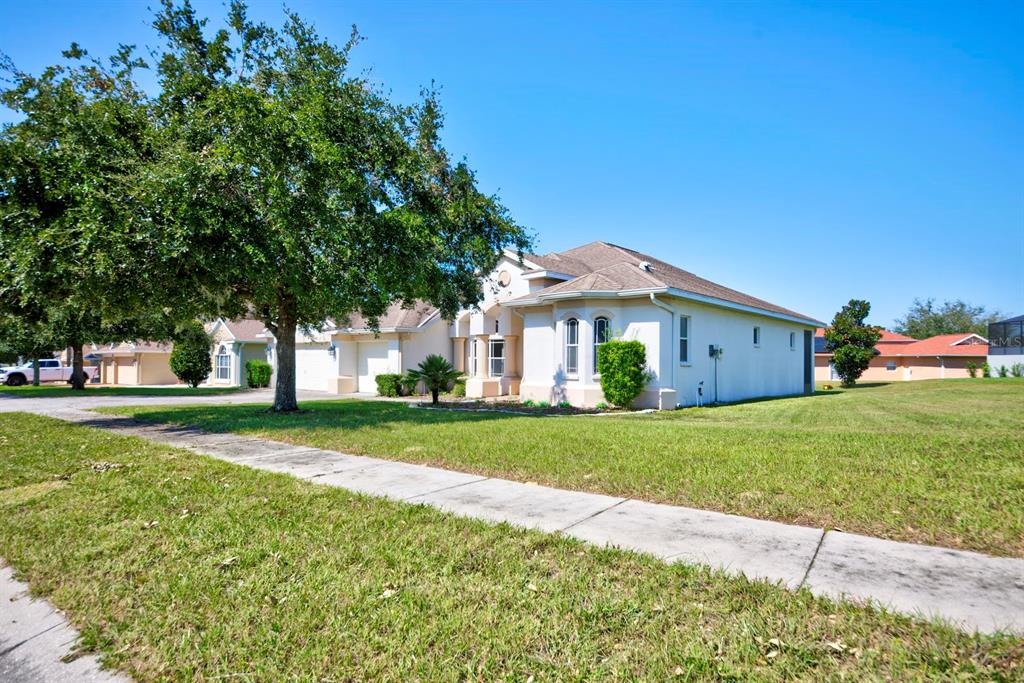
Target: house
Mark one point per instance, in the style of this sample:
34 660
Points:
900 358
134 363
536 332
234 343
1006 343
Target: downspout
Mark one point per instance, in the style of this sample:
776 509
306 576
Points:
672 335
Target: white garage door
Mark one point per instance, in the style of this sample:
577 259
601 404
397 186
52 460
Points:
373 360
312 368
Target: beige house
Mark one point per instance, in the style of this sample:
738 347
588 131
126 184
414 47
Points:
537 330
236 342
903 359
135 363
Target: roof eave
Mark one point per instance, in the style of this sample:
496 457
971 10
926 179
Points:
691 296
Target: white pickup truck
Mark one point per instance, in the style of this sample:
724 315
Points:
50 370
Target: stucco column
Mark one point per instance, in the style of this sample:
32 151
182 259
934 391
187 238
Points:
459 354
482 349
511 367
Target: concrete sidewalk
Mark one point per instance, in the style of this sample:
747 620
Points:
36 641
970 590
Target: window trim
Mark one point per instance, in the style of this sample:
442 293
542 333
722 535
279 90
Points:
757 336
222 352
594 343
792 341
472 357
574 325
684 320
491 357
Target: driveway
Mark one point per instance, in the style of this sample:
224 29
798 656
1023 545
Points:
30 404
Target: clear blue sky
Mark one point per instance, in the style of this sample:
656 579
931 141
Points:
746 142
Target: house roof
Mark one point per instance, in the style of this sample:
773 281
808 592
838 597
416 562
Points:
960 344
1017 319
887 337
134 347
602 267
245 329
396 317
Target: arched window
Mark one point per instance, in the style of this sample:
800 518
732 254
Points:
572 346
223 363
602 333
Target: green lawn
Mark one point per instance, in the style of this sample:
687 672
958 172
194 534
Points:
938 462
62 390
180 567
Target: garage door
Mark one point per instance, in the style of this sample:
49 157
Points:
312 368
373 360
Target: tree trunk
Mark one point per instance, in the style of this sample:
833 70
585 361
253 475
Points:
433 394
284 389
77 367
35 372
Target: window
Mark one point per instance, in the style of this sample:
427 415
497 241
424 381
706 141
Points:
572 346
792 341
49 363
890 366
471 350
496 331
757 336
601 335
223 363
497 357
684 339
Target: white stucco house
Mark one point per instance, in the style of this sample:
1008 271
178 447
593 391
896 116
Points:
234 343
536 332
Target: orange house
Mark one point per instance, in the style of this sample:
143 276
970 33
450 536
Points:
901 358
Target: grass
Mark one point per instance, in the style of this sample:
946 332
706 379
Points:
938 462
62 390
180 567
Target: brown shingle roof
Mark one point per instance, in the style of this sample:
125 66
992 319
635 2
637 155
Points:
246 329
396 316
601 267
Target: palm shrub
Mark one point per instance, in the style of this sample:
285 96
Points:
972 368
986 370
1003 371
257 373
623 369
409 383
1017 370
436 373
190 359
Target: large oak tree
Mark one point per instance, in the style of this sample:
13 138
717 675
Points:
291 188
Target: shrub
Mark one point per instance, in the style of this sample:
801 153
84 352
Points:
543 404
972 368
459 387
529 403
986 370
190 359
1004 371
1017 370
436 373
623 368
601 406
408 384
257 373
851 341
564 404
389 384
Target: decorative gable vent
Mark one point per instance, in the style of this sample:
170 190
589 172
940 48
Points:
645 266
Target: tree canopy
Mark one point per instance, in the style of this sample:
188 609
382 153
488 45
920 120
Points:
851 341
291 189
925 319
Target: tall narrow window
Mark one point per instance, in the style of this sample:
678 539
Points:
471 346
601 335
223 363
792 341
572 346
497 357
757 336
684 339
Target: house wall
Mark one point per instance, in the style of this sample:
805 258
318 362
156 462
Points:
430 340
822 368
154 368
125 370
744 371
995 362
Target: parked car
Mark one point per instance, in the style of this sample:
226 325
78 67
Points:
50 370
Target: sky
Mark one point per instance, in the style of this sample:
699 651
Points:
805 153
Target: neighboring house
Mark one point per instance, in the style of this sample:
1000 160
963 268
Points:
1006 343
234 343
541 320
900 358
133 363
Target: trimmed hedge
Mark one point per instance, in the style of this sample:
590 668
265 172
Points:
389 384
623 368
257 373
190 359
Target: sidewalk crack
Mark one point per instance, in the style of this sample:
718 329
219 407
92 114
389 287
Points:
446 488
589 517
7 650
810 565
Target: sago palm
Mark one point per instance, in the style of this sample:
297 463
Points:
436 374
